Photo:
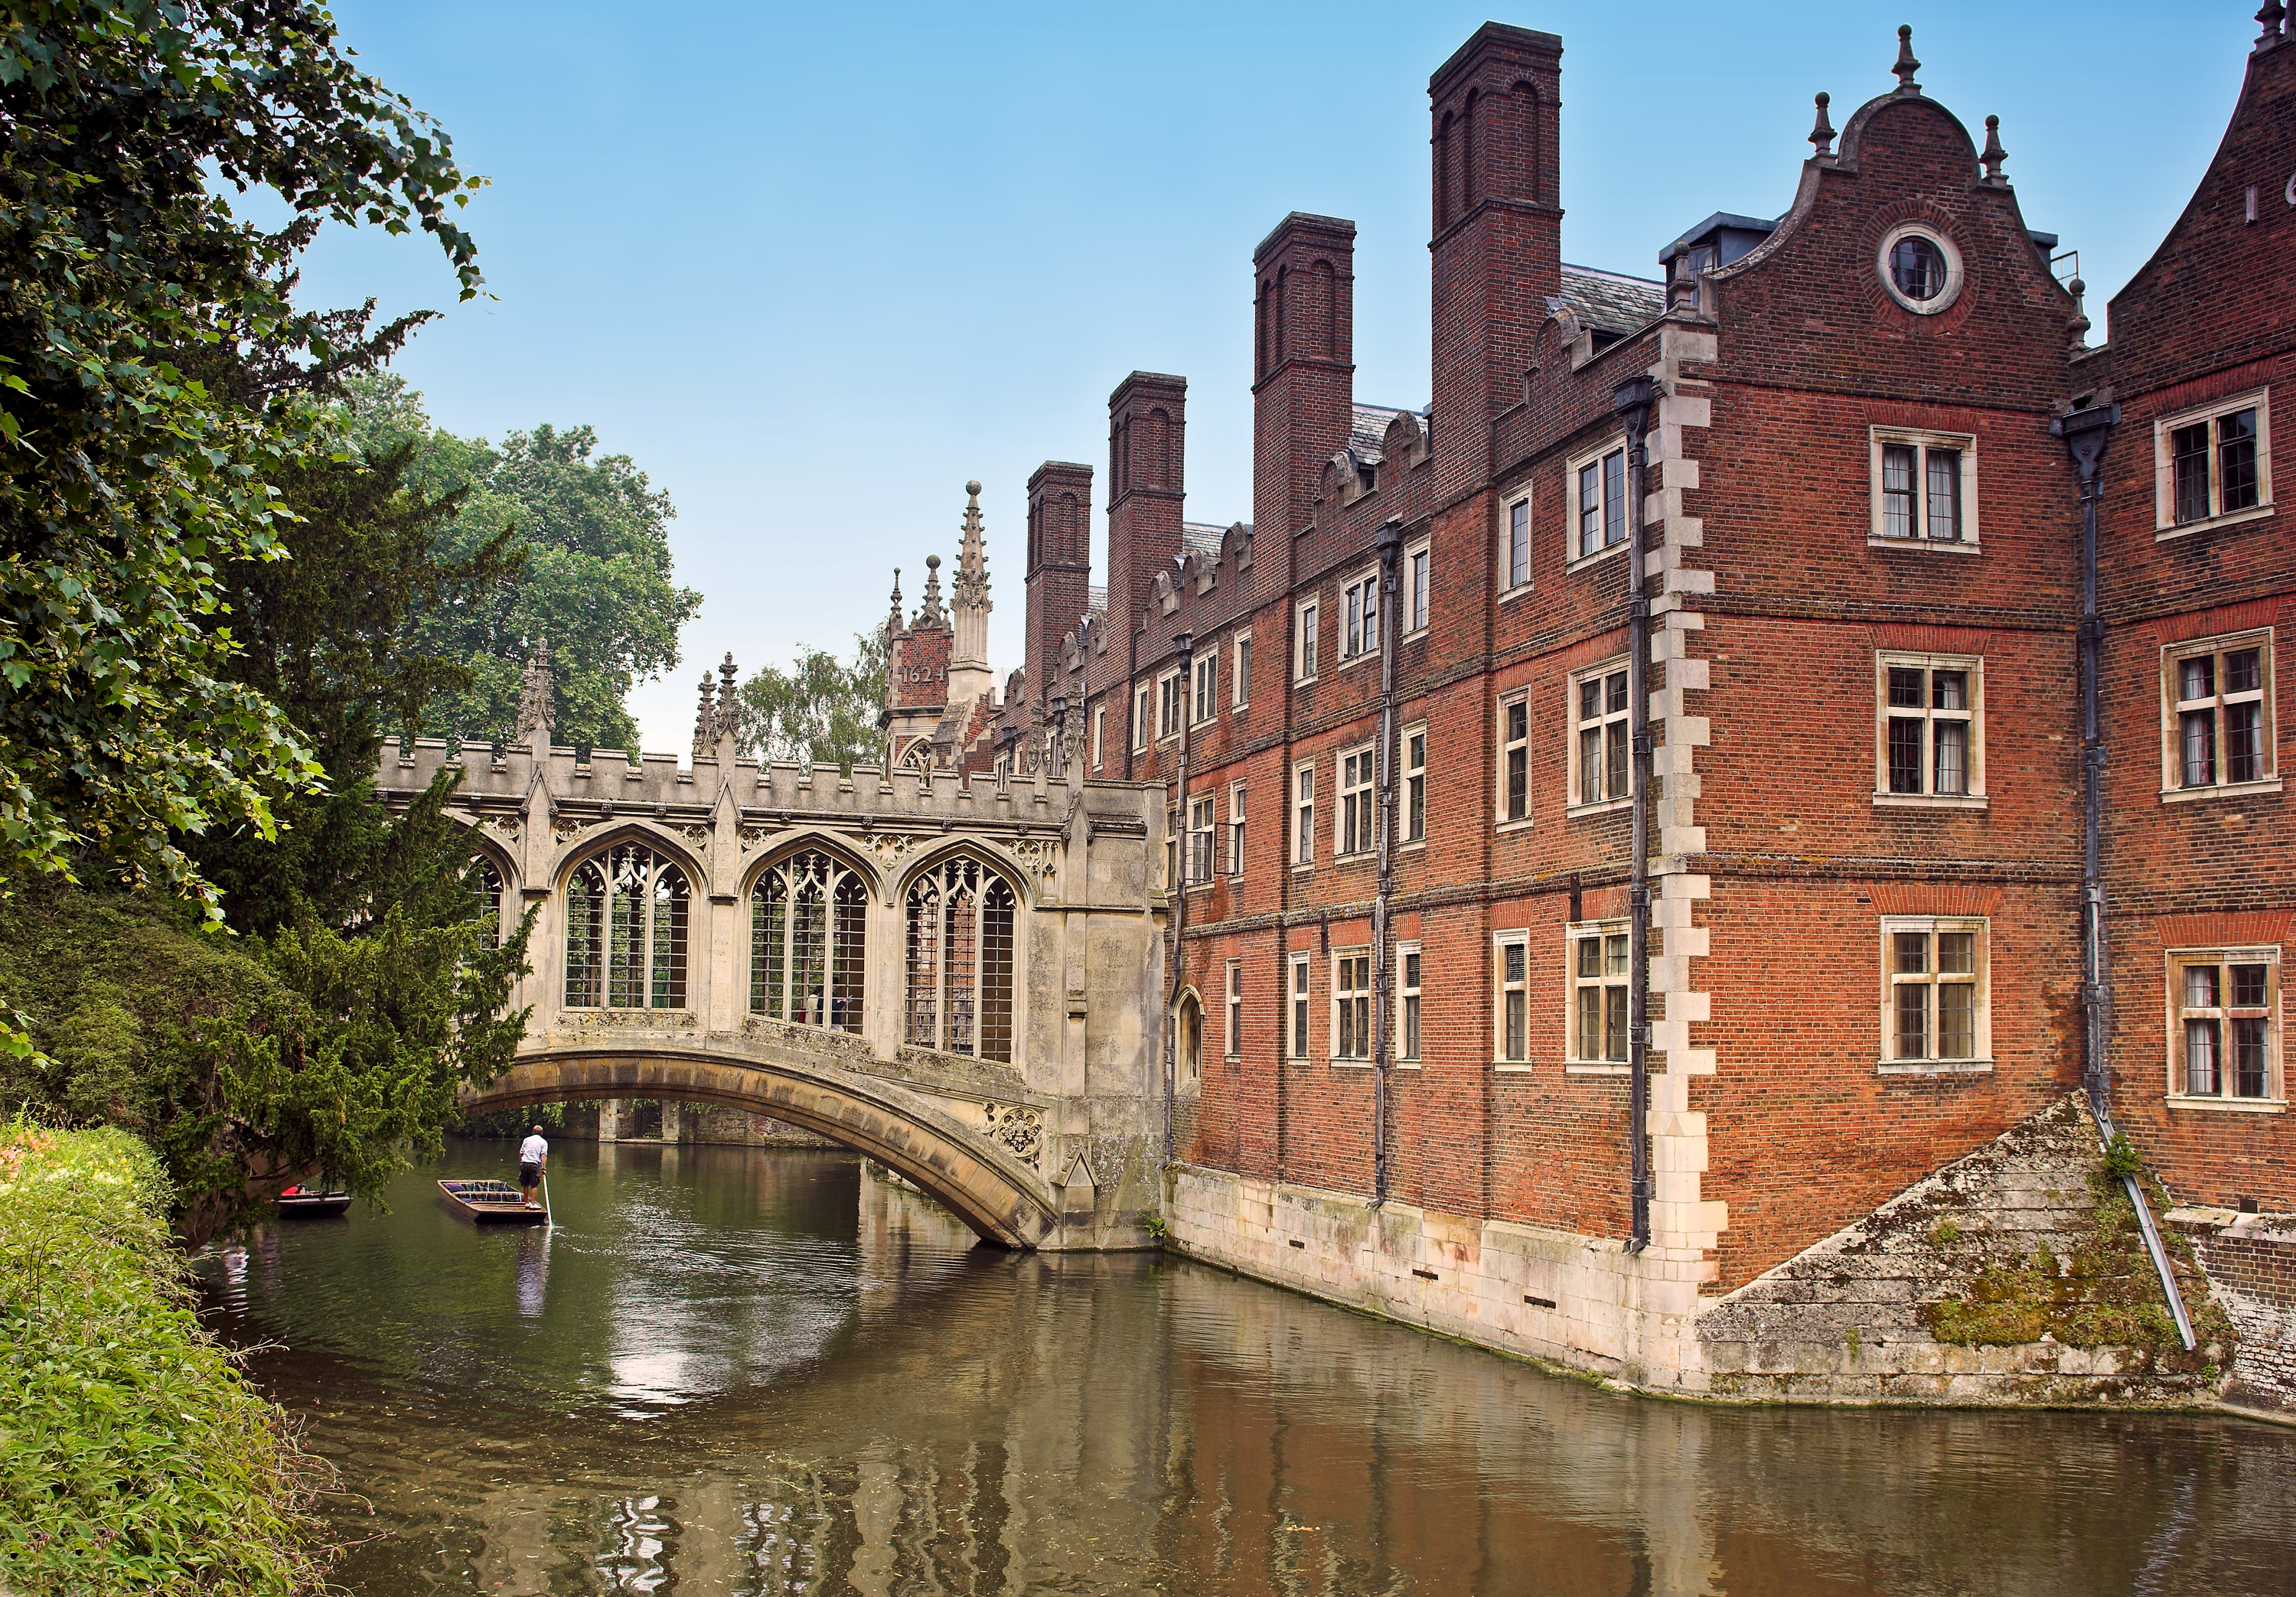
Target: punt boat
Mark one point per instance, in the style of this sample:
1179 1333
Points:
491 1202
306 1200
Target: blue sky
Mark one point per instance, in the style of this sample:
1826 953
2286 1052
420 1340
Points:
815 265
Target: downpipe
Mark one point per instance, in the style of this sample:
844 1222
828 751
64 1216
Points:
2086 433
1184 645
1633 401
1389 543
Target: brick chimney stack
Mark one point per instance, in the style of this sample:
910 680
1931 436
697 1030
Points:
1499 233
1060 565
1303 363
1147 482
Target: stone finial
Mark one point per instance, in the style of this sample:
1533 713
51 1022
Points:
970 587
1907 65
705 718
930 613
729 701
1682 286
537 694
2077 332
897 620
1994 155
2268 18
1822 136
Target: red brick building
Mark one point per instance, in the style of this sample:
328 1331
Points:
1400 870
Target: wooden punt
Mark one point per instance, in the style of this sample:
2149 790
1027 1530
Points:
303 1201
491 1203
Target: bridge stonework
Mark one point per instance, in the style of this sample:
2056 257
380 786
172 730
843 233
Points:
1056 1147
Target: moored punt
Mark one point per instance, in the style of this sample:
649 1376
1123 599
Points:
303 1201
492 1202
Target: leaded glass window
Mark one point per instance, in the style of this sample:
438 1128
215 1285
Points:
808 936
958 940
627 912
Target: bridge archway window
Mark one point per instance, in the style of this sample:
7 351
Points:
626 926
484 879
959 942
808 931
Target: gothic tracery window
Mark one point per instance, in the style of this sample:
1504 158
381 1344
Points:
626 926
958 941
808 926
484 878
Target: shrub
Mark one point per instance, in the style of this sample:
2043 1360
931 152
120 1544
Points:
134 1456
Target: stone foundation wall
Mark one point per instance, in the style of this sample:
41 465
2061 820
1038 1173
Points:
2251 1265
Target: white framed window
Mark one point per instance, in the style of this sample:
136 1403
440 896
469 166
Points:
1359 613
1143 712
1235 795
1925 488
1935 995
1351 1005
1171 846
1351 835
1929 744
2217 731
1199 840
1510 1013
1417 568
1413 818
1302 1004
1303 815
1305 640
1099 733
1232 1038
2212 464
2224 1028
1171 704
1598 967
1514 758
1514 546
1206 695
1597 482
1406 1007
1601 737
1240 679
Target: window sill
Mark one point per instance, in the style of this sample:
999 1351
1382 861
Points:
1595 1067
1349 662
2222 789
1572 812
1415 846
1931 800
1405 1064
2162 535
1301 869
1303 682
2237 1105
1351 1064
1524 825
1597 558
1934 1067
1875 540
1367 858
1512 1066
1508 595
1413 636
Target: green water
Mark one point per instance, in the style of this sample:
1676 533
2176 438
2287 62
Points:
729 1371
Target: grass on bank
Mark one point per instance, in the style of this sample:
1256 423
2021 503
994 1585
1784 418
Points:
134 1456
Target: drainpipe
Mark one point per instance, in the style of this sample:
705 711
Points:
1184 645
2087 432
1389 543
1633 402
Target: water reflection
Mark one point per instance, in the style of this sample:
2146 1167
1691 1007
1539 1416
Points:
756 1372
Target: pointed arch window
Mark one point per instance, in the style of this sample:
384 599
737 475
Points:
960 926
809 935
627 912
484 879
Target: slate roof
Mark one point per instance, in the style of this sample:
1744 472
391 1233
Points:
1612 302
1095 601
1367 431
1201 537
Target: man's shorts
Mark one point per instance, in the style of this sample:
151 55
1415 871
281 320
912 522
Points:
529 1176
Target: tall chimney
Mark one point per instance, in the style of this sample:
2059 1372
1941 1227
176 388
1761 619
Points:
1303 364
1147 482
1060 565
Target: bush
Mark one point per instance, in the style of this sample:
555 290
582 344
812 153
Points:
134 1456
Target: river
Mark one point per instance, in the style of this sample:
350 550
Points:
729 1371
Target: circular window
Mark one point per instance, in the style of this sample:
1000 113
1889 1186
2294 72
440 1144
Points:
1921 268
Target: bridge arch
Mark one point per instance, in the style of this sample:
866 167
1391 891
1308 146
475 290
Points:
1002 1200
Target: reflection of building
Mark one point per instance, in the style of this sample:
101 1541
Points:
1409 692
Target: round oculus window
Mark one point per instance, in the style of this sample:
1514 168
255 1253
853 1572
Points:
1921 269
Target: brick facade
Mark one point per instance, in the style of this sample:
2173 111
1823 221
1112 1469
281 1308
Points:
1801 367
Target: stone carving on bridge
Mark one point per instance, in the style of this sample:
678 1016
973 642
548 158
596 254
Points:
1041 855
1019 1127
505 827
753 838
820 1038
631 1019
888 846
568 829
699 836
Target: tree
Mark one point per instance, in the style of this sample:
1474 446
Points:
596 579
822 711
125 483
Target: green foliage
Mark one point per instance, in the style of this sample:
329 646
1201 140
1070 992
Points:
591 538
2105 1293
2121 1158
823 711
134 1456
1945 1234
125 482
247 1062
1156 1226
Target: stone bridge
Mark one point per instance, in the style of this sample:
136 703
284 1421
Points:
963 980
